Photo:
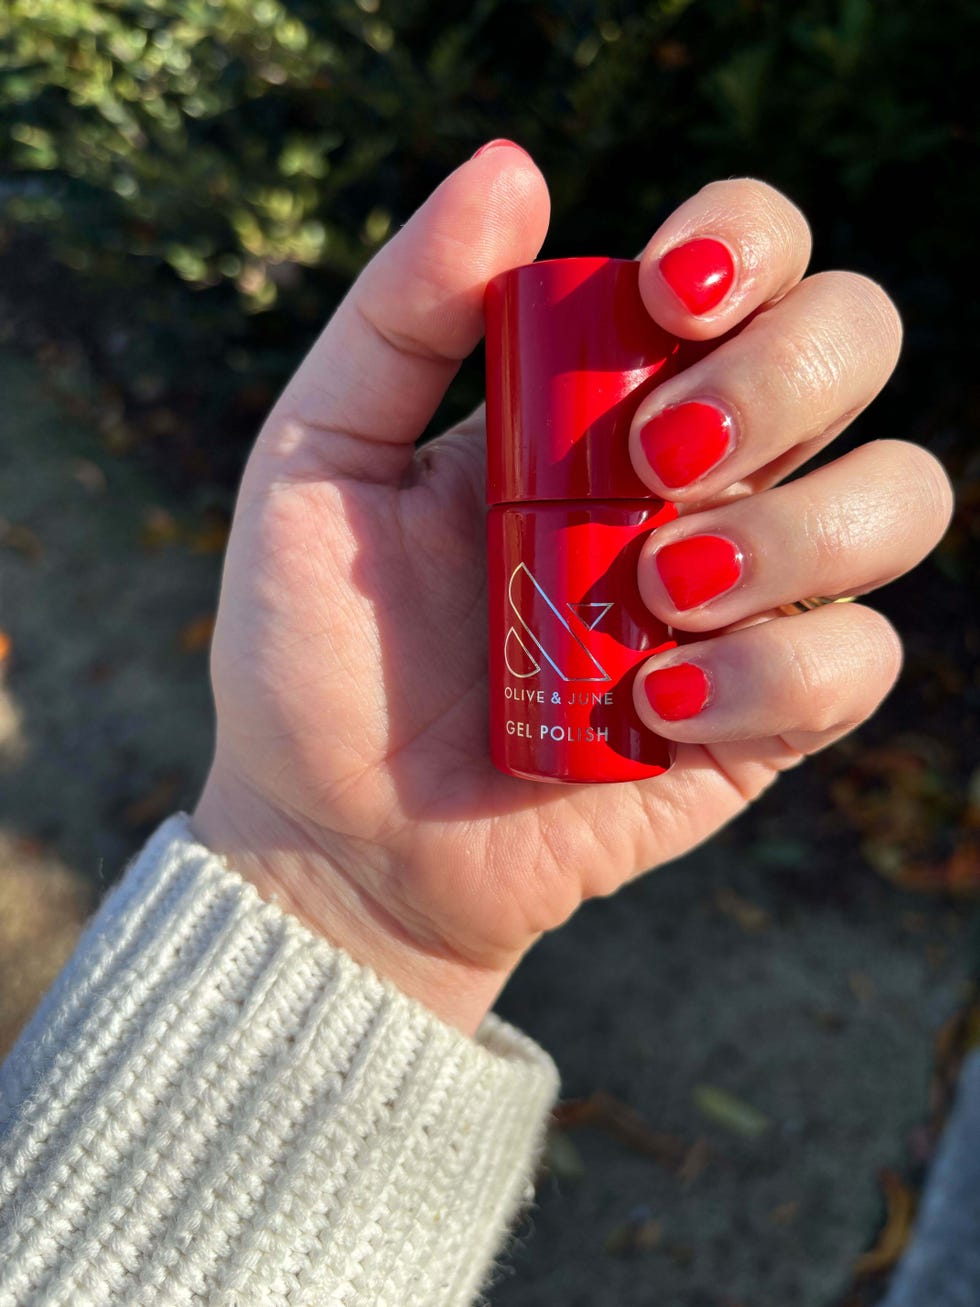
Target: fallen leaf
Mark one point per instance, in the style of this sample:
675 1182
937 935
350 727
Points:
211 536
958 1036
155 804
562 1158
624 1123
160 529
750 916
22 540
197 633
6 648
89 475
695 1162
958 875
729 1112
899 1216
641 1233
862 987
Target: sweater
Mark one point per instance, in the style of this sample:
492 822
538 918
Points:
215 1105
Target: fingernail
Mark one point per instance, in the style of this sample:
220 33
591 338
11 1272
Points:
685 441
496 143
699 272
698 569
677 692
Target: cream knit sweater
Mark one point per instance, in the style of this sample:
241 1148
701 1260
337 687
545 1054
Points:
213 1105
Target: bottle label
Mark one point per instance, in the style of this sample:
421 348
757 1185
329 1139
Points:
567 632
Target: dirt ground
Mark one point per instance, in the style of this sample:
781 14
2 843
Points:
769 1005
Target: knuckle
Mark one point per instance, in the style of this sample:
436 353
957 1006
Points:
829 530
845 335
838 676
865 307
928 484
806 362
812 690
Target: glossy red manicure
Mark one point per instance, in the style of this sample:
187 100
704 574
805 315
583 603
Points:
494 144
698 569
677 692
684 442
699 272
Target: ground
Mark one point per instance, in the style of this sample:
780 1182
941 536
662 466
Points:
768 1006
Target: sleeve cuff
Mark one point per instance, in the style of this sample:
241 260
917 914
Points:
215 1105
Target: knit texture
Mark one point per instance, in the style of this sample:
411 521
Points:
214 1105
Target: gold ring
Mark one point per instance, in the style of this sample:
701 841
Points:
815 601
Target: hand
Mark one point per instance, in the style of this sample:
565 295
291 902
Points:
351 780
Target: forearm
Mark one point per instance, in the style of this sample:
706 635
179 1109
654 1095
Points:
215 1105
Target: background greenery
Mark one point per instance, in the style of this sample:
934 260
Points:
189 186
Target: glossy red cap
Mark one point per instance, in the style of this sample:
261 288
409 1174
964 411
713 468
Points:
571 351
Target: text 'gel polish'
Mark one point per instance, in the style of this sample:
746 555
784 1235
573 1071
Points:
571 352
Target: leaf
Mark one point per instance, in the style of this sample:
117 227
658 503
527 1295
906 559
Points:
22 540
211 536
160 529
639 1234
899 1216
750 916
862 987
6 649
624 1123
89 475
562 1158
197 633
729 1112
695 1162
958 875
155 803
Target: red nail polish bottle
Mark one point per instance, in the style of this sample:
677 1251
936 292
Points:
571 351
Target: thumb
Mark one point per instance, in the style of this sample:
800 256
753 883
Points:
376 375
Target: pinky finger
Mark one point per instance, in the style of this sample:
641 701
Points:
807 679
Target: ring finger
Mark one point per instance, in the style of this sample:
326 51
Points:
843 529
763 402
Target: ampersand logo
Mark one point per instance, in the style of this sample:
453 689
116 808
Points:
543 634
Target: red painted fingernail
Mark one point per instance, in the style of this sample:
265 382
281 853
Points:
698 569
699 272
496 143
685 441
677 692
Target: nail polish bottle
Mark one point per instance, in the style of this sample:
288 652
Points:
571 351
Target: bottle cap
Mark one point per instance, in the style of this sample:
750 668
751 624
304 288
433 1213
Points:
571 352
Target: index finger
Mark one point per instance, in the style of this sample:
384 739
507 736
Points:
726 251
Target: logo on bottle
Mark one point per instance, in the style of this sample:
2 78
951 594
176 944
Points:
544 634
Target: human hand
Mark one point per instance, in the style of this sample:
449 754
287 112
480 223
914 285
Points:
351 779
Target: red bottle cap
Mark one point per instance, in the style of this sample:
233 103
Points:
571 351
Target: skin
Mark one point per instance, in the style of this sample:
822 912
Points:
351 781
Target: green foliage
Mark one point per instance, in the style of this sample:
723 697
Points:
205 176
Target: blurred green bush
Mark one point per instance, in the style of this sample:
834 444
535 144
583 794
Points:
188 185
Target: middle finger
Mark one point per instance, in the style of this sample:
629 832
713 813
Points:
766 400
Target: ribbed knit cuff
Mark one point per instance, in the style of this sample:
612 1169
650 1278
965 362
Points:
214 1105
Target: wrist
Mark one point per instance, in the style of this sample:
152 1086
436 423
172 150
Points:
311 878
